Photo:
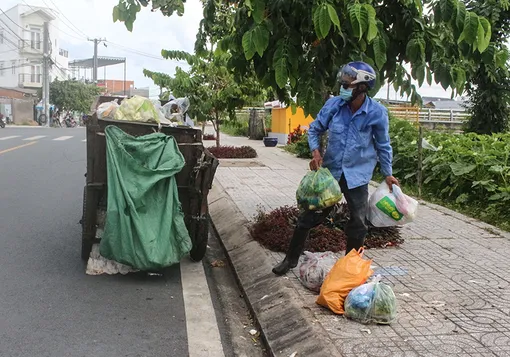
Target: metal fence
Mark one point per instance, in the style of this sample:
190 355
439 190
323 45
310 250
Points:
429 115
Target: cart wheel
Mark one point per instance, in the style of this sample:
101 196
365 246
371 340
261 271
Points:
86 244
200 247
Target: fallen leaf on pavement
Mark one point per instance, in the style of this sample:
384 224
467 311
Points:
218 263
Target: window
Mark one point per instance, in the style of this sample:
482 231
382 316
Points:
13 63
35 72
35 38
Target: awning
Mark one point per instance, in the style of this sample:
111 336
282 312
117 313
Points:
102 61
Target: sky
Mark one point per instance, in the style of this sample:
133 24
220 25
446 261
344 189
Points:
82 19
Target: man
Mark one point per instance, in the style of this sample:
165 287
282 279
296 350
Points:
358 135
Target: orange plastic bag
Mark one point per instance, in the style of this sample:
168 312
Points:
348 273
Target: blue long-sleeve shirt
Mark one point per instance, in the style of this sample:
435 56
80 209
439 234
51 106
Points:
355 140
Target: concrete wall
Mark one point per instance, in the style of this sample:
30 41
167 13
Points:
22 109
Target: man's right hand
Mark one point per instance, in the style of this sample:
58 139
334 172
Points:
316 161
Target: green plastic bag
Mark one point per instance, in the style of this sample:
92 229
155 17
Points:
318 190
144 223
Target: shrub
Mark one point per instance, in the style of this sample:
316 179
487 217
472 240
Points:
274 231
209 137
467 169
231 152
296 135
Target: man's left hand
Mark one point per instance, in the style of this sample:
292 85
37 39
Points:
390 181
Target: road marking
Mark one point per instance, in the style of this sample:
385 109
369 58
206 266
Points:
35 137
62 138
17 147
9 137
202 328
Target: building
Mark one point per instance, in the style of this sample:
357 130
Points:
115 86
21 47
443 103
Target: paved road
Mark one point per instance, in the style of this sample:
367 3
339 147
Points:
48 306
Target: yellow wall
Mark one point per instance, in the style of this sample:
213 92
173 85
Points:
283 121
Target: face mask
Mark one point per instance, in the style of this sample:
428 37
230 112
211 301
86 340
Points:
346 94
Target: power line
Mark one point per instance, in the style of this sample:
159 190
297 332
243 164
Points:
141 53
7 26
62 13
66 33
12 19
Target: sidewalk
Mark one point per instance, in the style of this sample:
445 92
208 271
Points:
451 276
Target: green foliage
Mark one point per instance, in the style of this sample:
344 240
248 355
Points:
300 148
297 47
213 92
72 95
468 169
489 87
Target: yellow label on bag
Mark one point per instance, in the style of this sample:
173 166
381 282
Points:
389 208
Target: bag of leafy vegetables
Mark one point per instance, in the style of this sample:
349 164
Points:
318 190
372 302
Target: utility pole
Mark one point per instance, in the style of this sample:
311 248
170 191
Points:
96 41
46 73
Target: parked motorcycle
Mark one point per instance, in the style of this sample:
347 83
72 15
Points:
70 122
2 121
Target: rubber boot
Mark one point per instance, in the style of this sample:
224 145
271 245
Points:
296 247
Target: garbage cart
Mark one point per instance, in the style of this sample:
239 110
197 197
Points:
193 182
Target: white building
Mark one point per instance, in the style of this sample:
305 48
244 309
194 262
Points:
21 47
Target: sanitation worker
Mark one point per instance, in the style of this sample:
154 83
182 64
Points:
358 137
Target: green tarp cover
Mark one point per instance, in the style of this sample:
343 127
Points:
144 224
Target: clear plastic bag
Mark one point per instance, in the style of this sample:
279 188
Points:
373 302
387 209
313 268
318 190
107 110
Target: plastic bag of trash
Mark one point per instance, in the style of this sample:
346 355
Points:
373 302
137 109
318 190
175 109
387 209
313 268
107 110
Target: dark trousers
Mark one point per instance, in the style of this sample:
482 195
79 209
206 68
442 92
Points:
356 229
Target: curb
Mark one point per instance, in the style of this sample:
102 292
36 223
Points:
285 325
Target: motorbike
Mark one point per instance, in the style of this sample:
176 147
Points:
70 122
2 121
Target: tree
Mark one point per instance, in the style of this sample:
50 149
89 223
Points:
73 95
214 94
489 88
296 47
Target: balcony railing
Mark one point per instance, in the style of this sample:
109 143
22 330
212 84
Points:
30 46
29 79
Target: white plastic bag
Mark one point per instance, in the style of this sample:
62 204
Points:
107 110
372 302
313 268
387 209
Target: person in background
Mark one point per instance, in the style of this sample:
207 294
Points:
358 130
